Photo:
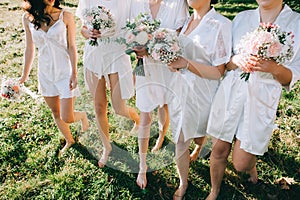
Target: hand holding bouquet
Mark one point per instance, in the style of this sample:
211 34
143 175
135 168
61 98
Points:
138 34
164 46
268 41
12 90
100 19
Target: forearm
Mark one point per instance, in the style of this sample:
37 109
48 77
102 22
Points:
28 60
282 74
205 71
73 59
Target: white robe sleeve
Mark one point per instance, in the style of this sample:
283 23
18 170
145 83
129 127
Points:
183 14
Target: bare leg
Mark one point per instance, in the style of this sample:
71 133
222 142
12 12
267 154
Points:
183 164
143 139
54 105
70 116
97 88
199 142
119 104
244 162
218 163
163 121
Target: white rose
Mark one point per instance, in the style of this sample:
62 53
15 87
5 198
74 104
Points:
142 38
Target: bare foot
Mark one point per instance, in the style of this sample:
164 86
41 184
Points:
194 155
180 192
66 147
212 196
103 160
85 123
158 144
141 179
253 175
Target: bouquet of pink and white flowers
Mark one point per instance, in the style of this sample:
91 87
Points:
138 34
164 46
100 19
268 41
10 89
139 31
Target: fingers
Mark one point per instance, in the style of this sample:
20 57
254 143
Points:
73 84
93 33
173 68
22 80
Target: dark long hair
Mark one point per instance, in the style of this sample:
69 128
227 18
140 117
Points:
36 8
213 1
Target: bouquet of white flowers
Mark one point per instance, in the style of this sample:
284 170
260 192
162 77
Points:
164 46
268 41
139 31
100 19
138 34
12 90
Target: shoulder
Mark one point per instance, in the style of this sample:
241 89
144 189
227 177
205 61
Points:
224 20
219 20
67 16
244 15
293 14
26 18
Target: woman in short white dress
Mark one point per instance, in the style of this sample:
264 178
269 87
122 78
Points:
206 41
153 89
108 64
52 30
247 110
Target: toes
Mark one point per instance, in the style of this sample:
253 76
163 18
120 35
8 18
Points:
141 180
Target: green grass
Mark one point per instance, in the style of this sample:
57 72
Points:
30 141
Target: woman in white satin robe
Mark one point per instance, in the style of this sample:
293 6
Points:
247 110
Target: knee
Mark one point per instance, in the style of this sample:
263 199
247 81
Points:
119 109
221 152
68 118
55 113
100 108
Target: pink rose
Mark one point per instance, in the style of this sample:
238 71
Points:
129 38
175 47
274 50
253 48
265 37
160 35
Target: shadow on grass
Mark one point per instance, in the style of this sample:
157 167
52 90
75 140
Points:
238 187
85 153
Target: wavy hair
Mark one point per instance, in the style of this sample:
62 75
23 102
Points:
36 8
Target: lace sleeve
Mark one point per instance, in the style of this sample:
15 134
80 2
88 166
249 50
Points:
223 46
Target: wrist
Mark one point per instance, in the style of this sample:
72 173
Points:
276 71
187 65
186 68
